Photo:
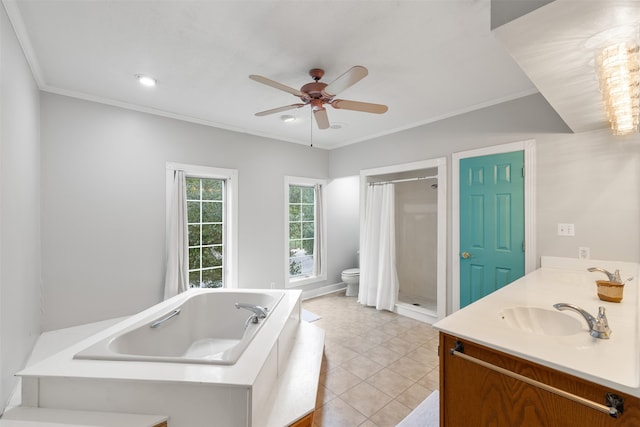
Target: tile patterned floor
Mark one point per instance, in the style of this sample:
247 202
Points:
378 366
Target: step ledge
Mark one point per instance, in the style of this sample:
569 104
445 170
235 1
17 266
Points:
23 416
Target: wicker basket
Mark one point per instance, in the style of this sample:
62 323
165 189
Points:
610 291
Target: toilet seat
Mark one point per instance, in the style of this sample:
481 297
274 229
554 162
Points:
351 272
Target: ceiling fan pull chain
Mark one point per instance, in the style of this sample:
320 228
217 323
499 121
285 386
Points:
311 126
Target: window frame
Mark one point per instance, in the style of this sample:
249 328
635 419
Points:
318 276
230 215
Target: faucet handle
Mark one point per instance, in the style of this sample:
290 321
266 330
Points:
601 328
602 313
616 277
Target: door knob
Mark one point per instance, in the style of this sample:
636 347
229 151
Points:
466 255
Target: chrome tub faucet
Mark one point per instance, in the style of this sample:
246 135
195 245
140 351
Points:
259 312
598 326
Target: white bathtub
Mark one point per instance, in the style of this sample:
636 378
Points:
205 328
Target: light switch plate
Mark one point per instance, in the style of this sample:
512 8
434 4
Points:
566 230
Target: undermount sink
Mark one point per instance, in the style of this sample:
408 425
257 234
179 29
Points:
542 321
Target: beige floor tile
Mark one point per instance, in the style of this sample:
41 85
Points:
414 395
390 382
390 415
383 355
401 346
338 413
366 399
362 367
324 396
359 344
416 335
339 380
376 364
338 354
425 354
377 336
394 328
410 368
431 380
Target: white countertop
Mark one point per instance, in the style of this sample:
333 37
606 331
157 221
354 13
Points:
614 362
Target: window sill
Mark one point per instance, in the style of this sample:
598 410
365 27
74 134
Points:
296 283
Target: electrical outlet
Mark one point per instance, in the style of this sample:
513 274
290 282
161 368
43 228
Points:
584 253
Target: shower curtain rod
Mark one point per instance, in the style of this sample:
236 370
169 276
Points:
420 178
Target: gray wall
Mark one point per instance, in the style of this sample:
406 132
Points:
103 194
589 179
103 204
20 276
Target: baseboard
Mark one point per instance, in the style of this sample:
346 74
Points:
416 313
325 290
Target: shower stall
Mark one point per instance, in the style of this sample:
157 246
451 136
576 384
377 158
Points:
418 247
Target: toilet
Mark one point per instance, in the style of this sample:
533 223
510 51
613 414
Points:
351 277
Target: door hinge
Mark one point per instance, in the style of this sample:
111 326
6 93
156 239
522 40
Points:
524 246
523 171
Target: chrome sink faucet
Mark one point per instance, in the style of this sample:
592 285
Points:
598 326
260 312
614 278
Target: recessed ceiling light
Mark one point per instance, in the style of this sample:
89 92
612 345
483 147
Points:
337 125
287 118
145 80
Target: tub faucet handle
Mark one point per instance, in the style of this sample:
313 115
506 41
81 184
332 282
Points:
259 312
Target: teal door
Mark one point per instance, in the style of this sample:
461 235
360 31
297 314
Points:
491 223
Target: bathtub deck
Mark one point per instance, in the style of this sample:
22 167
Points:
242 374
276 367
298 385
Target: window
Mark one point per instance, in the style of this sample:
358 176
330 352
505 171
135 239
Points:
210 244
205 223
304 213
302 227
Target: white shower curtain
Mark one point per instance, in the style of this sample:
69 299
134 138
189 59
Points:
378 274
177 269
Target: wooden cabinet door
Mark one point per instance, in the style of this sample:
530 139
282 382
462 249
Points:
473 395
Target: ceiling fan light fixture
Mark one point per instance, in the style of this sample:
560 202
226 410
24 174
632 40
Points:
318 94
618 68
146 80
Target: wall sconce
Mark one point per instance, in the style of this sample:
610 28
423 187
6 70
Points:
618 68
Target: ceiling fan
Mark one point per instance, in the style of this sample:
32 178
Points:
317 94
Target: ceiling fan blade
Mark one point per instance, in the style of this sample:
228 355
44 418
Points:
365 107
279 109
273 83
348 79
321 118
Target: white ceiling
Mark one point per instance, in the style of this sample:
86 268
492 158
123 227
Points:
427 60
556 46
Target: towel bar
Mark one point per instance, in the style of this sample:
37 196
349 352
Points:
614 411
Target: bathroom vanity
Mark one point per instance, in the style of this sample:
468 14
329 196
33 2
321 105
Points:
511 359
